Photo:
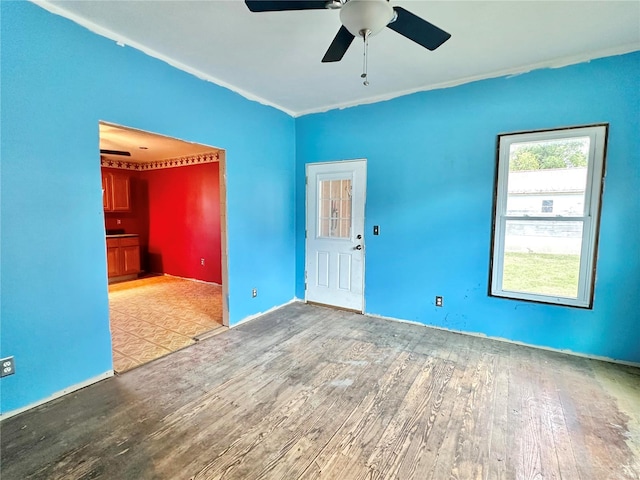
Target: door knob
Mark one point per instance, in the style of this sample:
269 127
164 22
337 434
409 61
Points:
358 247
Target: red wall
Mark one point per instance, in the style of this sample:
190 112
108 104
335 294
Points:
184 221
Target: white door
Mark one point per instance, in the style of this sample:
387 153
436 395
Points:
334 265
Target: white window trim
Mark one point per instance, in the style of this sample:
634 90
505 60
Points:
591 218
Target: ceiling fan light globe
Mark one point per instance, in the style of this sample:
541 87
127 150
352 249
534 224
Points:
362 15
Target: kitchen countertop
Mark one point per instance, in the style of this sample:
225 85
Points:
122 235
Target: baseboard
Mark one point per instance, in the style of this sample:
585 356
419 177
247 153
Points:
259 314
122 278
513 342
190 279
61 393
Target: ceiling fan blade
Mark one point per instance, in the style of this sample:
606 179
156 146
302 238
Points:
339 46
280 5
115 152
418 29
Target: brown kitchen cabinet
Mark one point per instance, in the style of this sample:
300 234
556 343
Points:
123 256
116 192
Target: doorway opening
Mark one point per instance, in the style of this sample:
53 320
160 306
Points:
164 205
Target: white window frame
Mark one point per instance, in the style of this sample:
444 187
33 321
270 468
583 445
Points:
590 217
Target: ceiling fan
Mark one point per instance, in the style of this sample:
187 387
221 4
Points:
362 18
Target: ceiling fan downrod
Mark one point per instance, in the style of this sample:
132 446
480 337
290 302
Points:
365 37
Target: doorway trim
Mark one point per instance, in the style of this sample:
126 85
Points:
224 250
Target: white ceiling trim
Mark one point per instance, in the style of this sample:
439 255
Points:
124 41
554 63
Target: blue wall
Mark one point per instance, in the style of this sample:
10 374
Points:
431 165
58 81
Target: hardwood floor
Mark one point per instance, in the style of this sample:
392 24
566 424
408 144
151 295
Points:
308 392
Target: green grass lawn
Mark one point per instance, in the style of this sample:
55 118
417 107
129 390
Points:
543 273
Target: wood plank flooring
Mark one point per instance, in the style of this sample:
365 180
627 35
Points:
307 392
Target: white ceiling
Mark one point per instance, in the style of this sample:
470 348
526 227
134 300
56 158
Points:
154 147
275 57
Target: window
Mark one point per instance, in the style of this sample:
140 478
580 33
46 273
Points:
547 209
334 204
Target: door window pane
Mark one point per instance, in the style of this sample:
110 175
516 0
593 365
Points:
334 205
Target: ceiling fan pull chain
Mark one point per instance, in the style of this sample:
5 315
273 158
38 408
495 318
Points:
365 37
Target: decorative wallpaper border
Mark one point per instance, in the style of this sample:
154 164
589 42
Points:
187 160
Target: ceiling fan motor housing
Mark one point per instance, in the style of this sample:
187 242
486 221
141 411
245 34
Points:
361 16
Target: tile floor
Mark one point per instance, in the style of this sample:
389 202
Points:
154 316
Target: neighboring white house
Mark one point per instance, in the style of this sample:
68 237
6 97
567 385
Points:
545 193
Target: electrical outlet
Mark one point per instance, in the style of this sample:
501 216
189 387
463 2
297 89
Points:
254 292
438 301
118 222
202 262
8 366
